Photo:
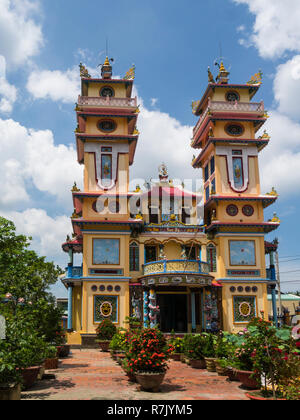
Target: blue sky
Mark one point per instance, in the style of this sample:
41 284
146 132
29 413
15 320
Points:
171 43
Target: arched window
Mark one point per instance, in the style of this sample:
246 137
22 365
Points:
211 252
134 257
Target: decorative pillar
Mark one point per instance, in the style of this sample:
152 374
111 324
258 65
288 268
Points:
70 307
193 310
154 309
273 289
146 312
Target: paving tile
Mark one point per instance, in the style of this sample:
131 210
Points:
93 375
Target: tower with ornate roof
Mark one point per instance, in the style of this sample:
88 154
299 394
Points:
106 138
228 145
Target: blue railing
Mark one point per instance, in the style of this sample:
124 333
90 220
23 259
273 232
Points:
74 272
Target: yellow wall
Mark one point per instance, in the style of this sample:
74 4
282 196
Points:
119 89
121 129
219 94
227 304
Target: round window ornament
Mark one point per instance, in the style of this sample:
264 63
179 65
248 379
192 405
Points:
110 288
94 288
117 289
107 91
245 309
232 96
102 288
240 289
107 126
232 210
248 210
106 309
254 289
234 129
232 289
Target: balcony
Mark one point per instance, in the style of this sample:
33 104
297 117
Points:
238 107
107 101
74 272
175 267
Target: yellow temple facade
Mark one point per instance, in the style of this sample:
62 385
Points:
145 253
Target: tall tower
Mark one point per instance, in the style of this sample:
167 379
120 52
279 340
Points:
106 138
234 206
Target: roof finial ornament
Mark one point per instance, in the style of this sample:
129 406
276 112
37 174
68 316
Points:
223 73
210 76
163 172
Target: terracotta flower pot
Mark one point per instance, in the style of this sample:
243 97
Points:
131 377
51 363
221 371
198 364
30 375
257 396
150 381
210 364
248 382
10 392
63 350
232 375
104 345
175 356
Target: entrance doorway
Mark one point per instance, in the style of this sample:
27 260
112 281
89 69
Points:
173 312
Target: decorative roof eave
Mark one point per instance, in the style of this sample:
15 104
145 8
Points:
271 246
260 143
211 118
131 223
173 225
76 245
266 200
265 227
212 86
84 136
108 113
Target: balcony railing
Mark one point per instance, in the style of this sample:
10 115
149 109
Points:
107 101
220 106
74 272
176 266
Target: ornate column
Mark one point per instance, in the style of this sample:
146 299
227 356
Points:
146 312
70 307
154 309
273 291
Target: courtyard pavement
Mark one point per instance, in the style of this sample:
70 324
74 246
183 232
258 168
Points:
93 375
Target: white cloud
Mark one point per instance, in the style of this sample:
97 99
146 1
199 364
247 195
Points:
20 35
55 85
276 28
287 87
163 139
8 92
48 233
31 157
280 161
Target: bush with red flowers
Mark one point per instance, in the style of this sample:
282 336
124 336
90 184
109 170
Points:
148 352
106 330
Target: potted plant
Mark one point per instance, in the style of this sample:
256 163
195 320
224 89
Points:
178 345
10 378
51 359
194 351
105 332
276 359
208 351
222 354
147 358
63 349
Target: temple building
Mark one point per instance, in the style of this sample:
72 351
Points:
146 253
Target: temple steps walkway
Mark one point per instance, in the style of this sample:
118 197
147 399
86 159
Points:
93 375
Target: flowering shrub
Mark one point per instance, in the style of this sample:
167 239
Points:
148 352
177 343
106 330
120 340
193 346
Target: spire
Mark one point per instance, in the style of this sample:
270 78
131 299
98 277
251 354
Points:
223 74
106 69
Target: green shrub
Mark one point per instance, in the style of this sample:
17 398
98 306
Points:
106 330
